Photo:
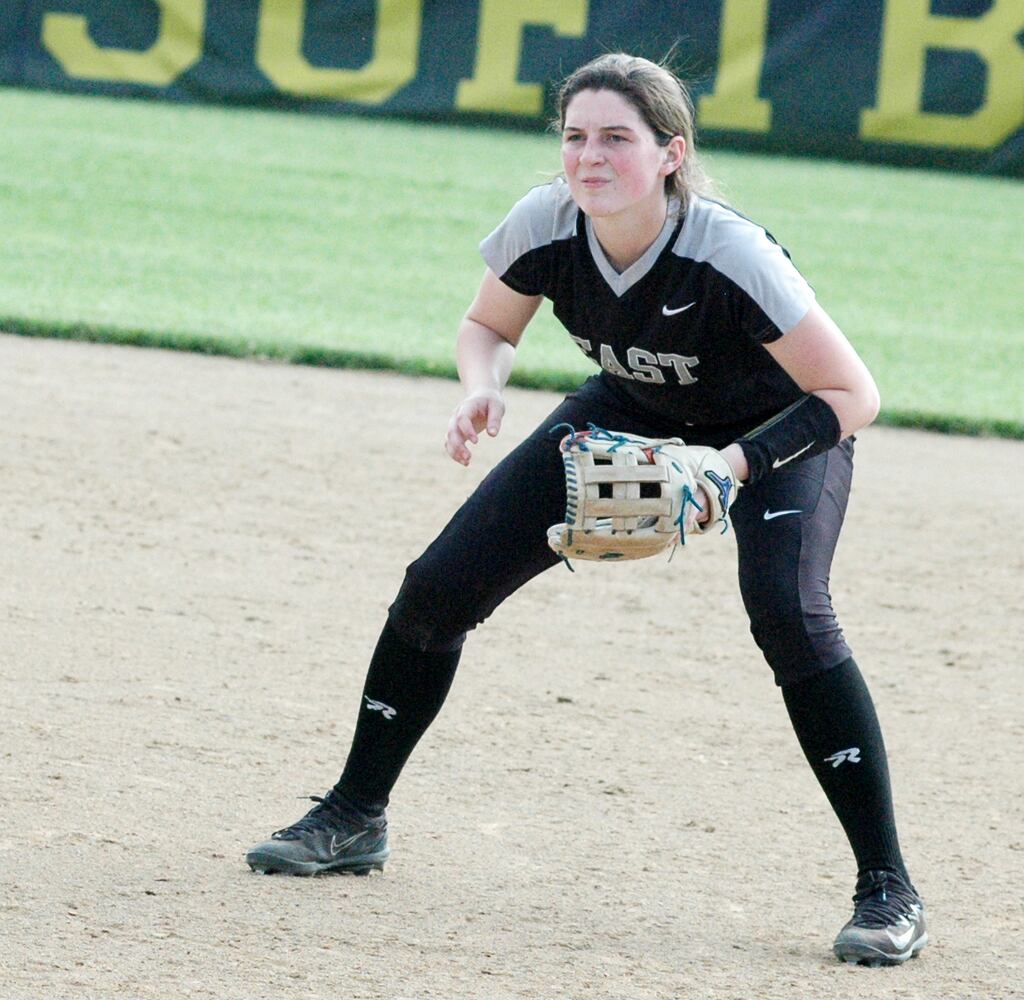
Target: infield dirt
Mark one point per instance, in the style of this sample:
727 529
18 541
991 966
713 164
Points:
197 557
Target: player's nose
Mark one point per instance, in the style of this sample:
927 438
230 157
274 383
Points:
592 152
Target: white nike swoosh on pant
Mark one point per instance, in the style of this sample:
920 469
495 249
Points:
770 515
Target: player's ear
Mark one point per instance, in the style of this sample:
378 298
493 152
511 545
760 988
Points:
674 152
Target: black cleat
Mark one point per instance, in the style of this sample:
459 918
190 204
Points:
888 924
332 836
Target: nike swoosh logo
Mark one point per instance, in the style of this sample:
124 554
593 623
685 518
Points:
902 940
337 846
779 462
665 311
770 515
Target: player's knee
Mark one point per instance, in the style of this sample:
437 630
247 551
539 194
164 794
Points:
796 649
425 614
782 639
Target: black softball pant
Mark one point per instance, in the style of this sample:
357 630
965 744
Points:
786 525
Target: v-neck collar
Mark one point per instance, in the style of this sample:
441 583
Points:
622 283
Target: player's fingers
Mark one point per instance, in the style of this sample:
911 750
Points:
495 413
455 442
693 514
472 416
466 428
456 449
462 430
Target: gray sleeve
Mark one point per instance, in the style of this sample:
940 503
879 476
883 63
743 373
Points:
515 251
748 256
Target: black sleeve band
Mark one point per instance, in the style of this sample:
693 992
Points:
808 427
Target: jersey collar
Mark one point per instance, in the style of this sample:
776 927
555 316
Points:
622 283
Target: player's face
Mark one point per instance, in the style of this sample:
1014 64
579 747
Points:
610 156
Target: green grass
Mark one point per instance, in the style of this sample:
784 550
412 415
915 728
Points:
352 241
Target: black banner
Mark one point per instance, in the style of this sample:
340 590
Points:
924 82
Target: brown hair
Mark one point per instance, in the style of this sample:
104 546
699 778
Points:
660 98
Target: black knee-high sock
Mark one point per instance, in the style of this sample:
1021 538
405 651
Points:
835 721
405 689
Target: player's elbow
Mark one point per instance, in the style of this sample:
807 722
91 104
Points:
863 407
872 403
855 406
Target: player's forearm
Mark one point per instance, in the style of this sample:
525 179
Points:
733 454
853 410
806 428
484 358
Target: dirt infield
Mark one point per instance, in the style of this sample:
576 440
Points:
197 557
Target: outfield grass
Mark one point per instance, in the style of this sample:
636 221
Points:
353 241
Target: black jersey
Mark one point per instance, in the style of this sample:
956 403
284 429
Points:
679 333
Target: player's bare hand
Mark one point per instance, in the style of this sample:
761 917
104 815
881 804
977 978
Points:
695 515
478 412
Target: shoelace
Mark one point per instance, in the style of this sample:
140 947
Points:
325 813
883 901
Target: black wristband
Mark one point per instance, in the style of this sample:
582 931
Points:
808 427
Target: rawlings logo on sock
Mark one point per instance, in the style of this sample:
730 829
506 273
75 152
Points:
852 755
378 706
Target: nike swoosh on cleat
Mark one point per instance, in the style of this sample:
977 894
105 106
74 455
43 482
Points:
665 311
337 846
770 515
902 940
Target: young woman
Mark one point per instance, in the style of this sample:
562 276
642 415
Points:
703 329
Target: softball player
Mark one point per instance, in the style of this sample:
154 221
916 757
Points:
704 329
